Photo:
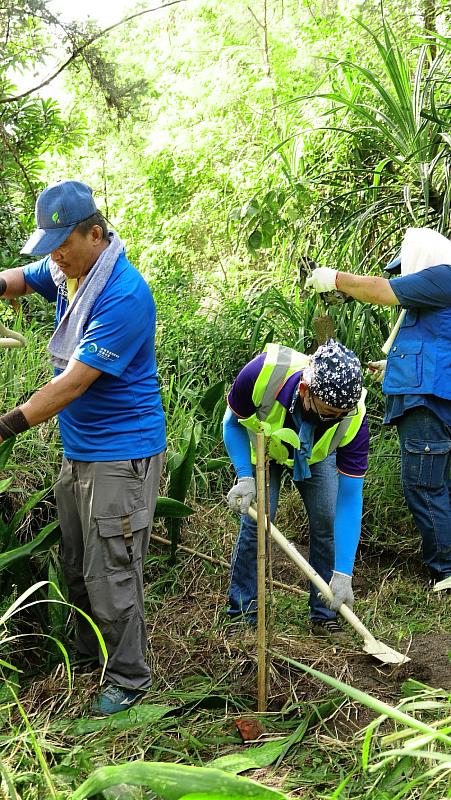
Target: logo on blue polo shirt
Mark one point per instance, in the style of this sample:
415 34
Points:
92 348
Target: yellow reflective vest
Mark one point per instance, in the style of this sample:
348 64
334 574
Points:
280 363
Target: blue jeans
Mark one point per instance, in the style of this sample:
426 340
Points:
425 468
319 494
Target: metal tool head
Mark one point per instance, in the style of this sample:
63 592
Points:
444 585
383 652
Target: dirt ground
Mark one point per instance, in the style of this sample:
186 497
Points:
189 639
188 635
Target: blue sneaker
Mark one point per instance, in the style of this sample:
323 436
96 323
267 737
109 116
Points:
114 699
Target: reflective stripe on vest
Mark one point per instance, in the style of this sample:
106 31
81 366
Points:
280 363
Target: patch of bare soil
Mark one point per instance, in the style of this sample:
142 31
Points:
189 636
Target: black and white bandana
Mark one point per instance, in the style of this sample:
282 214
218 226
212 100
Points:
334 375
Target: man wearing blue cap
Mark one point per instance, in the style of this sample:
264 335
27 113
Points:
321 398
106 395
416 377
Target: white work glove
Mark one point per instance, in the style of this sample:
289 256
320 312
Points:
341 588
242 495
322 279
377 369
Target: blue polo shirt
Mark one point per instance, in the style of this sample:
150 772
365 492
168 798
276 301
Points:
120 416
428 289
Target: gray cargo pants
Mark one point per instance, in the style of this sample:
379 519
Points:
105 510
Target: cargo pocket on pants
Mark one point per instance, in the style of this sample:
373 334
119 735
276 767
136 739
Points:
425 464
119 544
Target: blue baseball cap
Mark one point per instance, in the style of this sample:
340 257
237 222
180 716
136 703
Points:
59 209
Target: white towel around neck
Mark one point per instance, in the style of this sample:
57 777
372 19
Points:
70 330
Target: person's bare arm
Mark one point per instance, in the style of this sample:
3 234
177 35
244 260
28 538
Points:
366 289
59 392
12 282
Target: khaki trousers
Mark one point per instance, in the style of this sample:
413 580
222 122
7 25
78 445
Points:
106 510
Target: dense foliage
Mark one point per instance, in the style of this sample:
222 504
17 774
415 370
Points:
230 144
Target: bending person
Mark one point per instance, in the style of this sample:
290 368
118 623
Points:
321 398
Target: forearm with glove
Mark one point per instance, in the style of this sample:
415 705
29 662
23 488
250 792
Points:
238 448
377 369
366 288
348 524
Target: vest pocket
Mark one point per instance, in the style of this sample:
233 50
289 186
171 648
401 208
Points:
425 463
404 367
411 318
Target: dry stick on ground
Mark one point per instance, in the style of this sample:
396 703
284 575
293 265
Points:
221 563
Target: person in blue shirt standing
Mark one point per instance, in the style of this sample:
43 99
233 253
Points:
106 395
417 379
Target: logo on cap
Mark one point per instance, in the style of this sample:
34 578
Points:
55 217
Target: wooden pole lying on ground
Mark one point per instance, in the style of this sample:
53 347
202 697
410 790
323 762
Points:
261 572
221 563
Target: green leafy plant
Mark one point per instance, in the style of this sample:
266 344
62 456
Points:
9 673
176 782
15 556
417 743
398 173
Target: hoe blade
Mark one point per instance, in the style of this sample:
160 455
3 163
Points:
383 652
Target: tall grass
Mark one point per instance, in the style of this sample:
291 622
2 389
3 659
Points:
410 762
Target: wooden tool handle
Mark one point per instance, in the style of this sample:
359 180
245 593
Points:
316 579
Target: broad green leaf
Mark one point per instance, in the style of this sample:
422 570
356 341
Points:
250 758
412 687
180 477
45 539
174 781
4 484
216 463
135 717
287 435
5 451
265 754
255 240
167 507
212 396
265 427
250 210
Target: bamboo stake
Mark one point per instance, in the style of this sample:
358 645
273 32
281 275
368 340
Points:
261 576
270 581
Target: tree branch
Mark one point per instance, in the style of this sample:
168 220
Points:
11 149
83 47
